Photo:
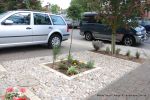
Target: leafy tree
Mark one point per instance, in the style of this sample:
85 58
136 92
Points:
117 13
74 12
55 8
83 4
6 5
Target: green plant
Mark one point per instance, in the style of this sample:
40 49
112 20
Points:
90 64
128 53
107 50
97 45
15 94
82 65
72 70
63 66
118 51
56 51
75 62
70 58
137 55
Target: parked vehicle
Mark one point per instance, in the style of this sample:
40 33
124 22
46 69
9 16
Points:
21 27
91 29
146 24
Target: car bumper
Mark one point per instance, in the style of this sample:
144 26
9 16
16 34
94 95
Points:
65 37
141 38
82 33
148 33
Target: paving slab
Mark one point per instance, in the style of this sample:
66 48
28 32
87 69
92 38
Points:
133 86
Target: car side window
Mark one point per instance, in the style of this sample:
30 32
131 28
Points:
41 19
90 19
20 18
57 20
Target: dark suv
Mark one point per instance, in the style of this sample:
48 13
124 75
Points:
145 23
92 29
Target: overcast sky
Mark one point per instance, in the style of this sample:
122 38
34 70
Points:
62 3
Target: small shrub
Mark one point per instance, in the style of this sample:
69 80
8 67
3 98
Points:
118 51
137 55
63 66
70 59
75 62
56 51
97 45
108 50
90 64
128 53
72 70
82 65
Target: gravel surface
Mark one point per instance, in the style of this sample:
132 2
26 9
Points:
49 86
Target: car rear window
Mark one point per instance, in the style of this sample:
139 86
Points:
57 20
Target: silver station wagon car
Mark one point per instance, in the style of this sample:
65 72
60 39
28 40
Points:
21 27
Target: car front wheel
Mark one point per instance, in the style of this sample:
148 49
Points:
129 41
54 40
88 36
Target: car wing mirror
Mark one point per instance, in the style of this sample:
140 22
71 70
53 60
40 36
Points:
8 22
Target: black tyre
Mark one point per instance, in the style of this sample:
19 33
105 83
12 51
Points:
128 41
88 36
54 40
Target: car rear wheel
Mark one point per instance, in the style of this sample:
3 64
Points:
129 41
54 40
88 36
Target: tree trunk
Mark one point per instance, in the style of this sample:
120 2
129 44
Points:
113 42
71 39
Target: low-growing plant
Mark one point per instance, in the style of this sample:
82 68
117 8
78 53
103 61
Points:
108 50
97 45
118 51
128 53
82 65
56 51
137 55
15 94
90 64
70 58
63 66
75 62
72 70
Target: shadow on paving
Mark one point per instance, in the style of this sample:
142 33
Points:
133 86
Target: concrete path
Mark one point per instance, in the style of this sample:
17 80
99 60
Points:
132 86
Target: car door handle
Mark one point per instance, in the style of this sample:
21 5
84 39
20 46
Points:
28 28
50 27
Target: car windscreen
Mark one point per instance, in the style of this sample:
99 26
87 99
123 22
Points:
3 14
57 20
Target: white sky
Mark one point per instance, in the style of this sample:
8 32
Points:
62 3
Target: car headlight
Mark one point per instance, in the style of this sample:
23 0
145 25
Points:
138 33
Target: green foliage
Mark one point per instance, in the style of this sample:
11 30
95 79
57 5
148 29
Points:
72 70
118 51
63 66
82 65
55 8
108 50
128 53
70 58
117 13
74 12
75 62
6 5
9 96
56 51
137 55
90 64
